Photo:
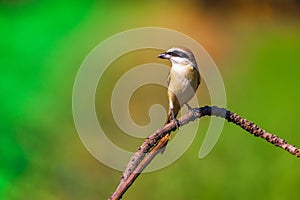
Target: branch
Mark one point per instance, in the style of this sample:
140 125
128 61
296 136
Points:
155 142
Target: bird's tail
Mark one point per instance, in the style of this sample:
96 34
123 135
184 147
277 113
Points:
168 120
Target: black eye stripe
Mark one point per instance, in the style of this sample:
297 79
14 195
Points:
172 53
178 54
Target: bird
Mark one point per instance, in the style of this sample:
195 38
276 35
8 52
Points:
183 80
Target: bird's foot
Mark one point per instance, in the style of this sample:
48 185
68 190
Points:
191 110
177 123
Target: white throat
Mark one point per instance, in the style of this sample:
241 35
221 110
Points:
180 69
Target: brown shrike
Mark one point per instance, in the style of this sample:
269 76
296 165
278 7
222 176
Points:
183 79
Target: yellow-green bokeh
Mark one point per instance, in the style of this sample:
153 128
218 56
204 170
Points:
255 45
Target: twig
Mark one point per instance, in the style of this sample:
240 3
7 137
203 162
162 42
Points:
137 171
152 145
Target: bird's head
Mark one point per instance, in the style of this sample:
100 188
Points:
179 55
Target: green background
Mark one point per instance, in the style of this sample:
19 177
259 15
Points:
255 45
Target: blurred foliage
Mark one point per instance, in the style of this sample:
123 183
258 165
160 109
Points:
255 44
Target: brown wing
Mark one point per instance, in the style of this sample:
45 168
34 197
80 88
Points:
199 79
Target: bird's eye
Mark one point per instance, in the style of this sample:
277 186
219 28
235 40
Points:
173 54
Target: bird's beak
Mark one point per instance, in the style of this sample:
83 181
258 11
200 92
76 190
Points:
164 56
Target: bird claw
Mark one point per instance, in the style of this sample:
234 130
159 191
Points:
191 109
177 123
194 113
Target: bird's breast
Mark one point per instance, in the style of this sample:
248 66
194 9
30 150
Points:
183 82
